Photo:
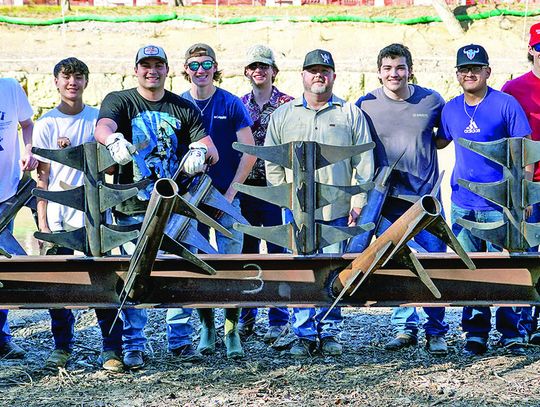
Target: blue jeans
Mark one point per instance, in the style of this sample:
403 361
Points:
179 328
476 321
134 319
306 322
529 319
261 213
5 333
63 323
406 319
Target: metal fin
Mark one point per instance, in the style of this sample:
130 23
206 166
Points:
183 207
328 194
191 236
280 154
279 195
104 158
496 192
113 236
12 205
531 151
440 228
409 260
493 150
531 232
172 246
75 239
280 235
71 156
214 199
531 192
494 232
330 154
332 234
112 194
73 198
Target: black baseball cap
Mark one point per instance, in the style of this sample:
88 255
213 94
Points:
472 55
319 57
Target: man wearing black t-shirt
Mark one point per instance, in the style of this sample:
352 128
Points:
147 130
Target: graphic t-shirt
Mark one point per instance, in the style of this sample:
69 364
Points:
14 108
161 131
223 115
79 129
498 116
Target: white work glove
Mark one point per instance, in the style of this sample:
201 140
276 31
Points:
195 159
121 150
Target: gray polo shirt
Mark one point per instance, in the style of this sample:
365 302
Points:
338 123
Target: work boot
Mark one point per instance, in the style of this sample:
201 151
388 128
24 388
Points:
207 342
10 350
246 328
535 338
401 341
436 345
187 353
57 359
232 336
275 332
514 346
330 346
303 348
133 359
111 361
475 346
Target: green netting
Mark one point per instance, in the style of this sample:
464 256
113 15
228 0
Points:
158 18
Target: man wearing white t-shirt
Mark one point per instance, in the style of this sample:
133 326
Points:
15 110
71 123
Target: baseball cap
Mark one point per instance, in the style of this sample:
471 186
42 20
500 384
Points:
319 57
535 34
151 51
260 53
472 55
200 50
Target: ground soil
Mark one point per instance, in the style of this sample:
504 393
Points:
366 375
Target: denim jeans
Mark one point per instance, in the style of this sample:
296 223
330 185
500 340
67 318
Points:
476 321
179 328
261 213
134 319
306 322
406 319
5 333
529 319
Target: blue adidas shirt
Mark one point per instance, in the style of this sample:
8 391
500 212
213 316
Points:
498 116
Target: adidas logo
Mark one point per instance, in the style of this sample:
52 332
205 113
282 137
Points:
471 128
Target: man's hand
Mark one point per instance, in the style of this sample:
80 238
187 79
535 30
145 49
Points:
28 162
353 216
63 142
121 150
195 159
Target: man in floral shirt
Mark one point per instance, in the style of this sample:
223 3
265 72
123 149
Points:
261 70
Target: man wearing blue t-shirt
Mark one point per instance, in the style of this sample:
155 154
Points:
226 120
481 114
406 136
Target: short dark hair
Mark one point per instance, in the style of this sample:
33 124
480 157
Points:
530 58
395 51
70 66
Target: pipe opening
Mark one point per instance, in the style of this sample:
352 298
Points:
166 187
430 205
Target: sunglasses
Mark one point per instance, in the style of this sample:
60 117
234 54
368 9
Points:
258 65
536 47
474 69
206 65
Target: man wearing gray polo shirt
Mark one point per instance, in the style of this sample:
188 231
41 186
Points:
321 116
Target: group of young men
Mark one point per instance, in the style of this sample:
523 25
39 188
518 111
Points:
407 122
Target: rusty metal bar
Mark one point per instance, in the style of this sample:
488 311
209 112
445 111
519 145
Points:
267 280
